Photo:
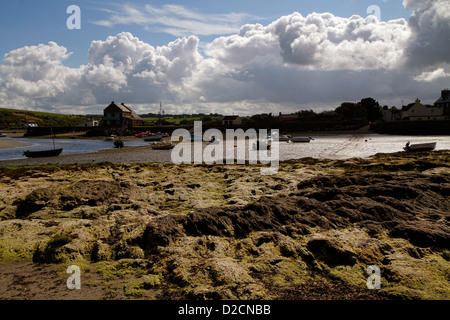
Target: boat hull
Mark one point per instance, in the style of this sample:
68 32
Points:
152 138
43 153
300 140
119 144
163 146
421 147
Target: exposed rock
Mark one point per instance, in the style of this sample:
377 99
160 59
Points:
80 193
330 252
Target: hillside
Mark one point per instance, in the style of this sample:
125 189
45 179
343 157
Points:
16 119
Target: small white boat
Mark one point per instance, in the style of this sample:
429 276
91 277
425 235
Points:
283 137
301 139
420 146
2 135
110 138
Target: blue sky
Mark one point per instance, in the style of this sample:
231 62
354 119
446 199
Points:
232 57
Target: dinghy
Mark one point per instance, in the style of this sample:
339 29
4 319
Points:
420 146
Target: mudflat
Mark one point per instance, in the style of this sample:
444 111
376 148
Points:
165 231
6 143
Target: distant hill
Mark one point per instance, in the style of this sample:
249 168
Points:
16 119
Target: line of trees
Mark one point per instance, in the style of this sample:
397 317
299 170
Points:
366 110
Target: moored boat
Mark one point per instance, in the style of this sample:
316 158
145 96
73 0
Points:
301 139
428 146
43 153
167 145
119 143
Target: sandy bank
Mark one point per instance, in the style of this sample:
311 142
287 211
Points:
6 143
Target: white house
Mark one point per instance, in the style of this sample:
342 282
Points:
417 111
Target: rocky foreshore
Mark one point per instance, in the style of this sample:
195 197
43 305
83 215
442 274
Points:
165 231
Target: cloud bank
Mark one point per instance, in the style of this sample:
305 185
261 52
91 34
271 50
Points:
293 63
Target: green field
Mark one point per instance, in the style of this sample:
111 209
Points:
16 119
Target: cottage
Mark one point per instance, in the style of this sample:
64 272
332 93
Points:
231 121
119 115
417 111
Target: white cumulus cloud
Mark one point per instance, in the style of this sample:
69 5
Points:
295 62
432 75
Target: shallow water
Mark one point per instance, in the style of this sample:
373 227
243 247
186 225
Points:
349 146
340 146
70 146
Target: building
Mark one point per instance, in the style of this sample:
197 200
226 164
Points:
231 121
389 115
417 111
444 103
30 124
92 123
287 117
119 115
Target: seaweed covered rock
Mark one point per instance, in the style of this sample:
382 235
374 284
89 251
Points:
81 193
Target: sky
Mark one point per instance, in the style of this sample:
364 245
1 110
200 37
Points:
230 57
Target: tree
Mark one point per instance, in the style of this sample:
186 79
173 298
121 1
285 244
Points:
351 110
372 108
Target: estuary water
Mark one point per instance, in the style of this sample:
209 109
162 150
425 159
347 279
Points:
70 146
339 146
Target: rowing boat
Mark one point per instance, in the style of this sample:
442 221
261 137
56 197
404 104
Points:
420 146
